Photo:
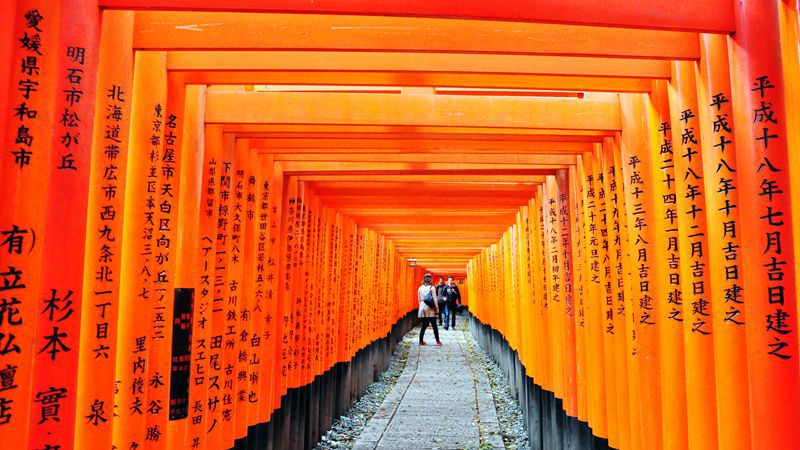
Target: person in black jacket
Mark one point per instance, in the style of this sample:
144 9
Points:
439 288
452 298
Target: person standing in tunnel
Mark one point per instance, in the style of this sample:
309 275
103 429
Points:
451 297
428 307
440 311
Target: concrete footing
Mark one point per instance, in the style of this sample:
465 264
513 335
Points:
548 426
308 412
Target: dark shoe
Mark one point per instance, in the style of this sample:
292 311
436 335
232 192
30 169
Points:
422 343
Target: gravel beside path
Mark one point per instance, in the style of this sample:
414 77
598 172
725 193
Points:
347 428
508 410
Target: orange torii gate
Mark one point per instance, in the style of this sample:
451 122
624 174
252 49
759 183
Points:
208 211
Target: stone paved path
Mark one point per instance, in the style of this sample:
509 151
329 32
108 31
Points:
442 400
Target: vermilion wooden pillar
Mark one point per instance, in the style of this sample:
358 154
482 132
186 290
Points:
325 275
608 298
296 295
608 301
715 111
516 297
594 301
666 279
219 352
209 141
566 221
164 266
344 299
138 236
526 289
693 245
767 226
104 230
57 342
188 252
645 365
576 181
507 293
26 165
552 270
336 286
285 249
235 304
310 288
617 249
545 352
263 296
303 298
253 308
273 287
229 281
587 288
790 52
625 315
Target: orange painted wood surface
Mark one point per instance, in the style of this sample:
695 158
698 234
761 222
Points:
26 167
104 228
207 31
703 16
416 110
762 154
58 330
719 158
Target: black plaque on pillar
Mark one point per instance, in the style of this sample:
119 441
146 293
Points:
181 354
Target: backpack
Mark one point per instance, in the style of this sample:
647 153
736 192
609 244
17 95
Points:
428 299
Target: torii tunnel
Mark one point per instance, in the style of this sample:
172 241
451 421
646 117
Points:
215 214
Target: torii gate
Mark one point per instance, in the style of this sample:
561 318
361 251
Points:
613 179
